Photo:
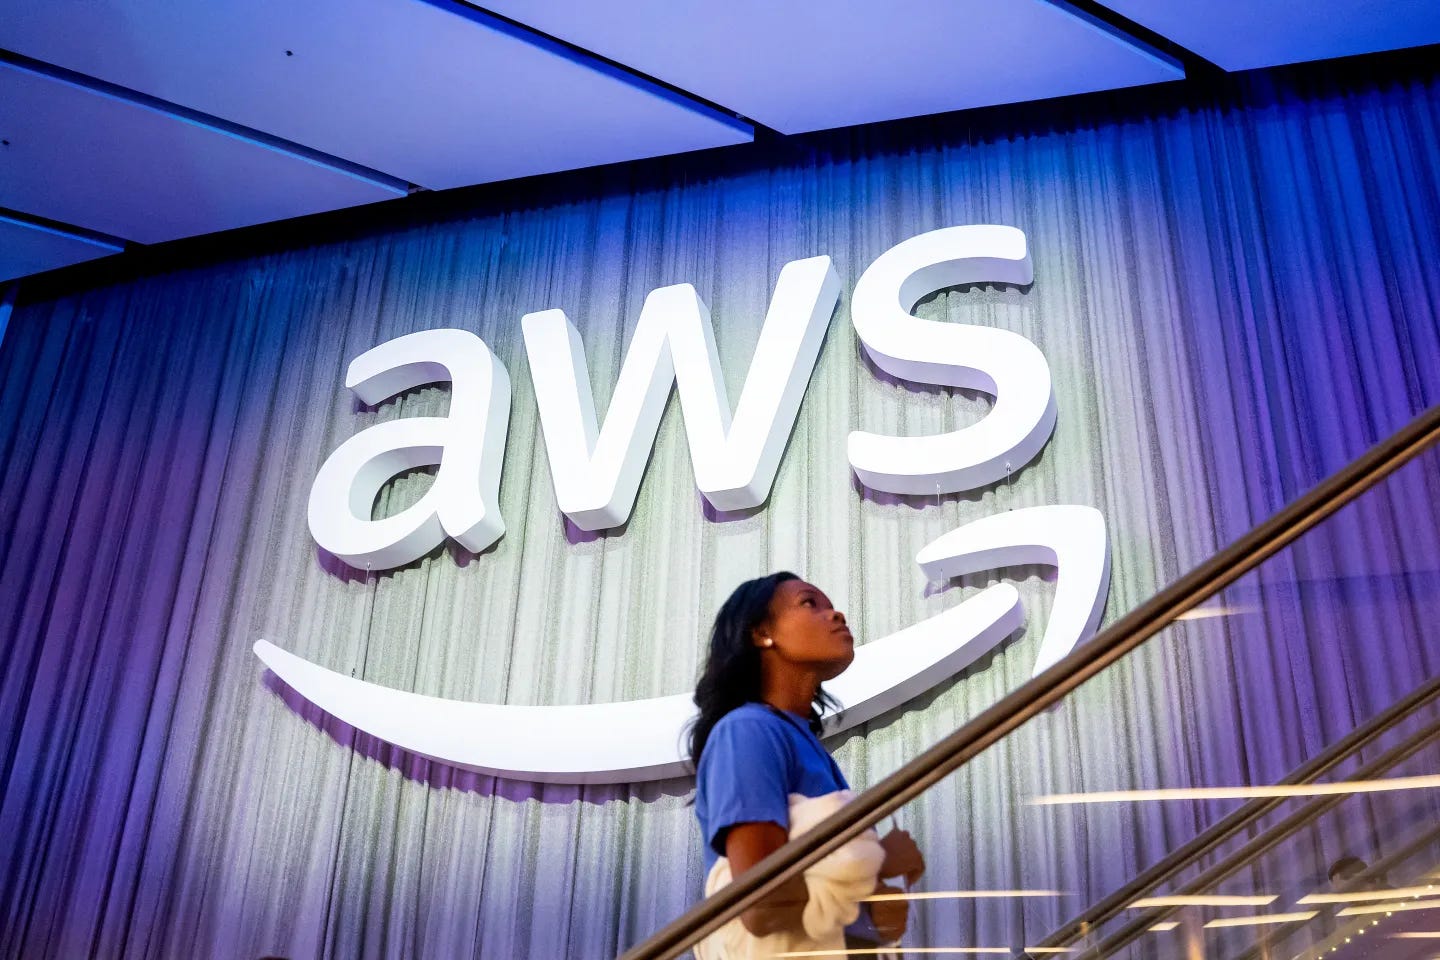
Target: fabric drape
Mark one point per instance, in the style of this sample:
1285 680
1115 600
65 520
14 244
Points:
1236 296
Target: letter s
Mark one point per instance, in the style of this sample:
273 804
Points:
1001 363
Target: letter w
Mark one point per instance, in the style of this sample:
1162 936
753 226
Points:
597 471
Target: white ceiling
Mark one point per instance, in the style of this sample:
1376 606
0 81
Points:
112 166
1245 34
150 120
27 248
798 67
424 93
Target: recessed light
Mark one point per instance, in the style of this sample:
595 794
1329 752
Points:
1388 909
961 895
1203 900
1426 782
1262 920
877 951
1205 613
1362 896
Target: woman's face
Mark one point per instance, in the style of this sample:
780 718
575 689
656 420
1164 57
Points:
806 629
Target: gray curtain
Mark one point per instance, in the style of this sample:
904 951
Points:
1236 296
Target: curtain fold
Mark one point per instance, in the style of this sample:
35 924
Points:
1235 297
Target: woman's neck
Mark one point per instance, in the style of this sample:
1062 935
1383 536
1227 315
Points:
794 692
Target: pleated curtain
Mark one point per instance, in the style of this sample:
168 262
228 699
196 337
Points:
1236 293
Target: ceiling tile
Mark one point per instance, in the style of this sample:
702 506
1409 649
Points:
799 66
27 248
1245 34
113 166
428 91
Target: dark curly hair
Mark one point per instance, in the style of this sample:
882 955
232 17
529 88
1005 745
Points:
732 671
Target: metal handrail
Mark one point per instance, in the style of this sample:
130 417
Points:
1424 840
1242 817
1208 879
1039 693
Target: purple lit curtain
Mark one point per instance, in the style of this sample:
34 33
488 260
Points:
1235 297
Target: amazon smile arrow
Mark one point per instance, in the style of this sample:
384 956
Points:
637 740
1068 537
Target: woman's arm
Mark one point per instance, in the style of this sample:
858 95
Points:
746 844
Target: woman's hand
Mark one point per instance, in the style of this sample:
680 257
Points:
902 857
889 916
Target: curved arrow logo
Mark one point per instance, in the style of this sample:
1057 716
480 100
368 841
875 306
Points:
639 740
1067 537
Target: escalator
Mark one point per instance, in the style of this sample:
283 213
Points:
1245 766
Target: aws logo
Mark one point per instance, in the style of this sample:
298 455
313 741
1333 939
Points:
735 452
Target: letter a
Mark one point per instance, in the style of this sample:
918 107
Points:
468 445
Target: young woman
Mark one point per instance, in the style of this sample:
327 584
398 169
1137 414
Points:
754 745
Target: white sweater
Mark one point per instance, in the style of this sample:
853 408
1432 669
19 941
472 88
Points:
835 885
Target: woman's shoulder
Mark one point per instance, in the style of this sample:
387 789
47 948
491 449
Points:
750 722
751 715
745 736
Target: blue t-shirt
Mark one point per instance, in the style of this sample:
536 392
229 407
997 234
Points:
754 759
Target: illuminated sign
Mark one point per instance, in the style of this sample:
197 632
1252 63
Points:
597 469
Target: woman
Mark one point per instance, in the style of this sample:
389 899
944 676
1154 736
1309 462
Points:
754 745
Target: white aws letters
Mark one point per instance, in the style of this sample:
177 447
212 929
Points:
1002 364
468 445
597 469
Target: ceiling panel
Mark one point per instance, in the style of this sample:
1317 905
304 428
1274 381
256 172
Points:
430 92
129 171
1244 34
799 66
27 248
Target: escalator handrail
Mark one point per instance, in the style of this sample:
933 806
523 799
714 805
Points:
1240 818
1266 841
1040 692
